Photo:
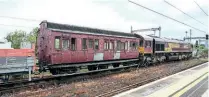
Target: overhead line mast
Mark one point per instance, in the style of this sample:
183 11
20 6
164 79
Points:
150 29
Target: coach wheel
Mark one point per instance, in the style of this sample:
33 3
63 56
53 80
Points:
92 67
103 67
54 71
116 65
6 78
126 63
73 70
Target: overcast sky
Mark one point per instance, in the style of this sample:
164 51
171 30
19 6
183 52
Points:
116 15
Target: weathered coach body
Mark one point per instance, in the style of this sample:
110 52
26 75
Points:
60 44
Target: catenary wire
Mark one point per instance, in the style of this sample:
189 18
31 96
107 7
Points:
201 8
183 12
166 16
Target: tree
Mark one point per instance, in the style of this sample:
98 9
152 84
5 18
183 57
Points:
16 38
31 37
19 36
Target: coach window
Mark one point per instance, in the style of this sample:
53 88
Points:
122 45
134 45
181 45
84 44
106 44
148 44
57 43
91 43
141 43
162 47
166 45
65 44
118 45
126 45
157 47
96 44
111 45
131 44
73 43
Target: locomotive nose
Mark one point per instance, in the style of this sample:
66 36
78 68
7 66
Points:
141 49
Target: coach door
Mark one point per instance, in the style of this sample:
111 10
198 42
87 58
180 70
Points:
66 55
111 49
90 50
57 54
98 50
117 49
73 48
108 51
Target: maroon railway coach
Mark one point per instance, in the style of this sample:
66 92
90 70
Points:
67 48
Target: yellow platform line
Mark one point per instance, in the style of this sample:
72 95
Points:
190 85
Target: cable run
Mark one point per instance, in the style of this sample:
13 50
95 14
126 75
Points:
201 8
16 26
35 20
183 12
167 16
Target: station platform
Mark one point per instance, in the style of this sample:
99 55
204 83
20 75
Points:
192 82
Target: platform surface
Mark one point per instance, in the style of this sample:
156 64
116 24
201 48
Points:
192 82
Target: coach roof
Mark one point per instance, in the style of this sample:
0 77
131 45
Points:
65 27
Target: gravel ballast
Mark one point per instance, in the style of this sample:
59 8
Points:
97 86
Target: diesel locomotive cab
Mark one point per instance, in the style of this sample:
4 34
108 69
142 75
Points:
141 49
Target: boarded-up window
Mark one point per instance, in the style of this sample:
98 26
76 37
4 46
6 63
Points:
73 43
65 44
84 44
96 44
91 43
57 43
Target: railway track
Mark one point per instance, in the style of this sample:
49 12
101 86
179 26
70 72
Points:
11 87
135 85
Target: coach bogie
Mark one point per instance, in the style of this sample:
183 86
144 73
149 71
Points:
92 67
116 65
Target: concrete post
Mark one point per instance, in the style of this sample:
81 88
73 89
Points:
29 73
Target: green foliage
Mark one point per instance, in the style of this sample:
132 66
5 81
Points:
201 46
31 37
16 38
204 52
19 36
